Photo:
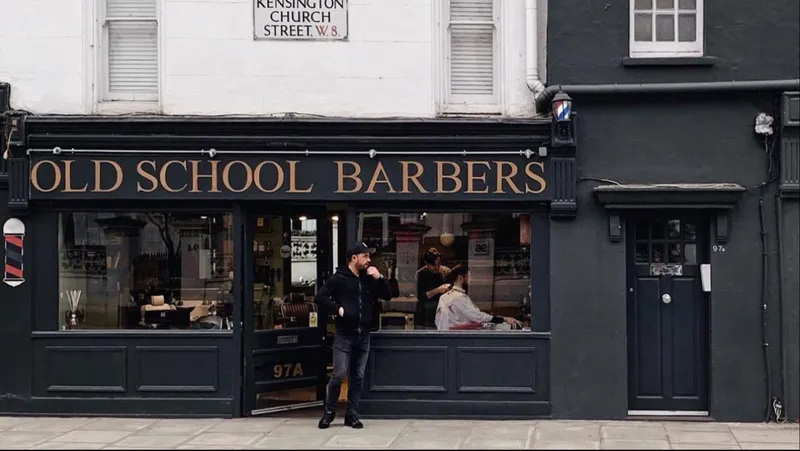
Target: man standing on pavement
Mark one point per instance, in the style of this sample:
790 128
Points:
351 292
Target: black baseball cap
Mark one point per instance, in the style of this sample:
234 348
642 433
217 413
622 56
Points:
359 248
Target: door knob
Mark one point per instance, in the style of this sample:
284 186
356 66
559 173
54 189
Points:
666 298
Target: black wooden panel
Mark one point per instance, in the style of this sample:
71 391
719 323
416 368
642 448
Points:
408 369
790 165
80 369
491 369
458 374
177 368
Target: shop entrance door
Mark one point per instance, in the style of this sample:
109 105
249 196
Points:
284 352
668 323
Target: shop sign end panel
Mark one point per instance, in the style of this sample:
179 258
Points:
319 178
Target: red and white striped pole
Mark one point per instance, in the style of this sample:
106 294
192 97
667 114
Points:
14 234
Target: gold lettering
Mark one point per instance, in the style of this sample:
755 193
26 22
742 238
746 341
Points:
226 176
298 369
376 178
440 176
98 167
196 176
506 178
535 177
68 179
278 181
150 177
412 178
35 176
163 176
471 177
354 176
293 179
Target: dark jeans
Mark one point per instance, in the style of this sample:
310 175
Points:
350 353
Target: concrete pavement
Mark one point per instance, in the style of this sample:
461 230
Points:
287 433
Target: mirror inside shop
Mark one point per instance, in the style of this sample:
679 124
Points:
447 271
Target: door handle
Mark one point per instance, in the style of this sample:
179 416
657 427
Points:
666 298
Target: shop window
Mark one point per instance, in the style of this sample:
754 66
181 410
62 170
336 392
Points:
417 253
145 271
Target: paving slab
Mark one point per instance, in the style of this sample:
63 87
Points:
302 433
566 444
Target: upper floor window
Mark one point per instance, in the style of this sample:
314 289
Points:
666 28
471 49
129 50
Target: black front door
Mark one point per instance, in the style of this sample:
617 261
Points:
667 313
285 358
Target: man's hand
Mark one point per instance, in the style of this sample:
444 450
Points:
513 322
443 288
341 311
373 271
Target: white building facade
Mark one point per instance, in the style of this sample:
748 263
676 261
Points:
406 58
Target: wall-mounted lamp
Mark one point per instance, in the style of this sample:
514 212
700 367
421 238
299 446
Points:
335 218
303 218
562 126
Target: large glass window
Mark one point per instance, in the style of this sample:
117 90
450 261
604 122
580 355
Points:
452 271
145 271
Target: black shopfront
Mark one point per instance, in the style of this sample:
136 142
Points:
169 264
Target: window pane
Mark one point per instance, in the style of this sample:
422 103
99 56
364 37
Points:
642 253
665 27
675 254
674 229
665 4
657 228
690 254
643 27
145 271
642 4
285 272
687 4
419 260
689 231
687 27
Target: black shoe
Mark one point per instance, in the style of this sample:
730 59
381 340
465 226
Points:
353 422
326 420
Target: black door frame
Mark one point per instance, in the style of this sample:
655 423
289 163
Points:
703 219
248 213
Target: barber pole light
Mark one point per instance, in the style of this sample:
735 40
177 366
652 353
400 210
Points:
14 234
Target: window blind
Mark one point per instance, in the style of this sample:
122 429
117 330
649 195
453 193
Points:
472 36
132 31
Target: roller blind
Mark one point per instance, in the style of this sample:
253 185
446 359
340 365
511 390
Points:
132 33
472 49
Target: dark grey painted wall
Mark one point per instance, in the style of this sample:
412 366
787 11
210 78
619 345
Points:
749 40
791 306
15 327
660 139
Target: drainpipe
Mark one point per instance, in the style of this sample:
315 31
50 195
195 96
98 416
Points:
543 100
532 49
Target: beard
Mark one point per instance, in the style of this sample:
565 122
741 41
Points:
465 286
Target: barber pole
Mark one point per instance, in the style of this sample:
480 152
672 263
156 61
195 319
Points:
14 234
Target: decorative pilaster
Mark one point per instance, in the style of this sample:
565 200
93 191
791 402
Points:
790 146
480 258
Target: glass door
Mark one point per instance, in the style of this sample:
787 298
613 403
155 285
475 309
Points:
285 358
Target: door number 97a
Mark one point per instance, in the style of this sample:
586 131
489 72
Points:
718 248
284 370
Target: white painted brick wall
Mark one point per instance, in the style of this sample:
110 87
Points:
212 66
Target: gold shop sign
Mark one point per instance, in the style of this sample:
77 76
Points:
305 178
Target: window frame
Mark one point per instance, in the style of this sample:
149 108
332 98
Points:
467 104
123 101
672 49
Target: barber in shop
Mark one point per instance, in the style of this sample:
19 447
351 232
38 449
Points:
430 286
456 311
352 293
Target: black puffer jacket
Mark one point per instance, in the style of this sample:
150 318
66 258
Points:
357 294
